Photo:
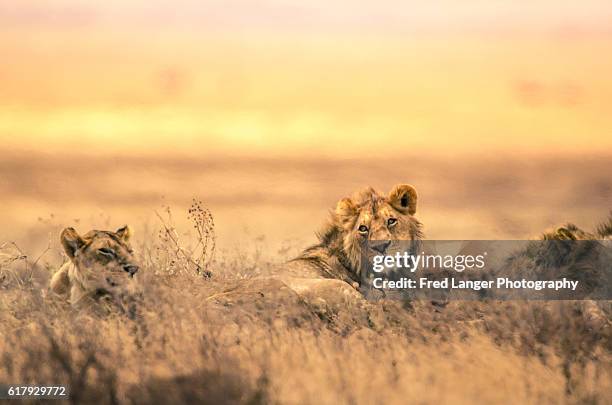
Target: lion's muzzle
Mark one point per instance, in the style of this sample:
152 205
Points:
380 246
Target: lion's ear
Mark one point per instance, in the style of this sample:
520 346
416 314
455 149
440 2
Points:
403 198
345 208
125 233
71 241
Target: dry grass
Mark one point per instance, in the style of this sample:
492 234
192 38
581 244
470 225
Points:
228 338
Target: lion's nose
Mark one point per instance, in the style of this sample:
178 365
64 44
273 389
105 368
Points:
381 246
131 268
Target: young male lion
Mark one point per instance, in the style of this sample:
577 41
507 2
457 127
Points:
327 274
366 216
100 265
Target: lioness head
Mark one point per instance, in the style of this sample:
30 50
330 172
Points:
369 216
100 250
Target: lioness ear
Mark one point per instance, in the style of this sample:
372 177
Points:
125 233
71 241
345 208
403 198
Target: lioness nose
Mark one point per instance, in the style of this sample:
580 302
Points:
380 247
131 268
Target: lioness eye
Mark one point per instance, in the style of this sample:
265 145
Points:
391 222
106 252
363 229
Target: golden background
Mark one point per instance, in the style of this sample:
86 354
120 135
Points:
270 111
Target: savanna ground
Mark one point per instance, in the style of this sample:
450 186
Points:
229 339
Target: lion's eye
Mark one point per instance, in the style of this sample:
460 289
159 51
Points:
106 252
391 222
363 229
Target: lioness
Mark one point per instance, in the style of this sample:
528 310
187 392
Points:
100 264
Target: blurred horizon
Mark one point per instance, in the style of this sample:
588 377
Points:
275 200
280 77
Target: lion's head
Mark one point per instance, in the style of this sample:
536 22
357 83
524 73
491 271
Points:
102 256
370 216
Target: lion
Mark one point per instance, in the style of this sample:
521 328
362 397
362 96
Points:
101 263
570 231
327 274
367 216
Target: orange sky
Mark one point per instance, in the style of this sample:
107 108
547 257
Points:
283 76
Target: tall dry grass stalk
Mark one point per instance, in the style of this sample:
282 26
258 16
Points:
173 256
